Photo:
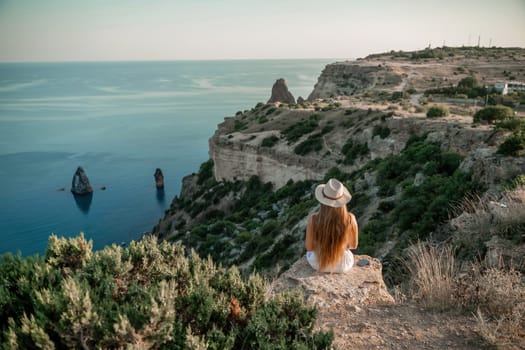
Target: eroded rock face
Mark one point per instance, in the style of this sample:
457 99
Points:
361 286
349 78
237 160
159 178
280 93
80 184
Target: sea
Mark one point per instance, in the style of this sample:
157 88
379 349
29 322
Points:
119 121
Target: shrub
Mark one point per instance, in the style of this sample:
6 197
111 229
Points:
314 143
513 145
205 172
373 233
437 111
239 125
353 150
493 113
270 110
295 131
326 129
512 124
269 141
397 96
149 293
382 131
468 82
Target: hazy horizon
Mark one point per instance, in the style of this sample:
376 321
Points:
162 30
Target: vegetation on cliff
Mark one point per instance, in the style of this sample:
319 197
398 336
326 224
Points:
148 295
263 229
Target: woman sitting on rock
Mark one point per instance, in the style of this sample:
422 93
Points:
331 231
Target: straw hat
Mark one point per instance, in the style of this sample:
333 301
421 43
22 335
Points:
333 193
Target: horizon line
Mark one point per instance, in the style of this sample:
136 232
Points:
176 60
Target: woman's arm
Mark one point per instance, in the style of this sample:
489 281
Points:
309 241
353 232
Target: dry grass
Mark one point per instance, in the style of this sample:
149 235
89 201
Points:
488 331
433 270
495 296
498 296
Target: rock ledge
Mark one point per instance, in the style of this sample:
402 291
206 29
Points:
361 286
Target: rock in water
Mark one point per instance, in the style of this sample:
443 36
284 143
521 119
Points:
280 93
159 178
80 184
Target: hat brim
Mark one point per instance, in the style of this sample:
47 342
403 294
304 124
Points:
336 203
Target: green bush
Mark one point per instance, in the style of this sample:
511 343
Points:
239 125
397 96
423 206
493 113
512 124
295 131
314 143
205 172
513 145
468 82
149 293
382 131
437 111
269 141
353 150
326 129
372 235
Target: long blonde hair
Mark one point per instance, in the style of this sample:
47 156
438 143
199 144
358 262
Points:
331 227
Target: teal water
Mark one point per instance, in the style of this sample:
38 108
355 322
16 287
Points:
120 121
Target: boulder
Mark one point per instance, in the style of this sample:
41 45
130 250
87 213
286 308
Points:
80 184
361 286
159 179
280 93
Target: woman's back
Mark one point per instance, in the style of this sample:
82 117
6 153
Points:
332 230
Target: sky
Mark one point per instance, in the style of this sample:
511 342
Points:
122 30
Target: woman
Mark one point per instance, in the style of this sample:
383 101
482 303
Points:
331 231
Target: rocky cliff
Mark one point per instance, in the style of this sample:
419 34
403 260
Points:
349 78
242 154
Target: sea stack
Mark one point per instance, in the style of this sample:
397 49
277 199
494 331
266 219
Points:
159 179
280 93
80 184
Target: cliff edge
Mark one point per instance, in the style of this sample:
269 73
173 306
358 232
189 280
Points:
362 285
362 314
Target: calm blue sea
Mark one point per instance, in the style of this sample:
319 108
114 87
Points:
120 121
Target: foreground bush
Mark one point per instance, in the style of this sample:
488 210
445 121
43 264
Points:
149 295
